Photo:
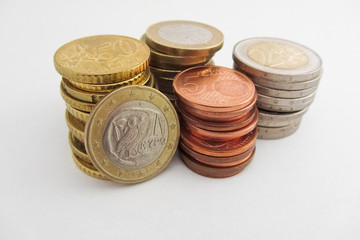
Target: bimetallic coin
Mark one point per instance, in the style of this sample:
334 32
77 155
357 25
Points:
277 59
102 59
284 104
86 96
78 148
213 172
214 88
76 127
80 115
278 132
132 134
139 79
88 169
291 94
277 119
74 103
184 38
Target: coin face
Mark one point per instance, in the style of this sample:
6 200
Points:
132 134
184 38
216 87
102 59
277 59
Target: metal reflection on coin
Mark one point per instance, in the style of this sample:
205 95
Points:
132 134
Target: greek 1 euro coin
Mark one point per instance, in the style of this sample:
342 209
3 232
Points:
102 59
132 134
277 59
184 38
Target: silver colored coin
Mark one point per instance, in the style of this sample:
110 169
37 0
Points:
271 92
284 104
276 119
277 132
277 59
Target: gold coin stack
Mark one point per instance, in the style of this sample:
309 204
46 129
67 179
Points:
92 67
178 45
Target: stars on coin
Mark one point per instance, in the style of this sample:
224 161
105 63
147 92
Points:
172 126
112 102
131 94
99 121
151 96
170 146
166 108
96 144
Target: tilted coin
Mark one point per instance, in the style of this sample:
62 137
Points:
277 59
86 96
74 103
214 88
278 119
76 127
102 59
132 134
80 115
88 168
278 132
140 79
284 104
184 38
167 73
271 92
78 148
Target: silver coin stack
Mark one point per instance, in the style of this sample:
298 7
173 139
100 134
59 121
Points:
286 76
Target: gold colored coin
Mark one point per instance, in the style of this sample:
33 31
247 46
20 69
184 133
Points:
76 127
88 169
102 59
80 115
86 96
184 38
167 73
132 134
151 82
139 79
74 103
78 148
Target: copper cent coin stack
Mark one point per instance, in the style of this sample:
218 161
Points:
218 113
286 75
91 68
178 45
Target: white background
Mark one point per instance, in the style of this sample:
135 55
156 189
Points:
306 186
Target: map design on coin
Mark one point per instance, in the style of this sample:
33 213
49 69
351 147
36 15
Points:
185 33
277 55
135 134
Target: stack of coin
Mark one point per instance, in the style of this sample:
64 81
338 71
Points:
217 106
178 45
92 67
286 76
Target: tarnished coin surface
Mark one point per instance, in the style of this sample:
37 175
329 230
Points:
102 59
132 134
277 59
184 38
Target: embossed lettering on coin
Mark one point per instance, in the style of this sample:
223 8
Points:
135 134
185 33
277 55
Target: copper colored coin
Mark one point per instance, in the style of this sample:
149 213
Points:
213 172
220 126
217 161
214 88
218 136
219 149
214 116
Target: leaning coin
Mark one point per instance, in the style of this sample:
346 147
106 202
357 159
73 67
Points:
184 38
102 59
284 104
76 127
74 103
80 115
277 59
132 134
78 148
88 168
86 96
278 119
278 132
